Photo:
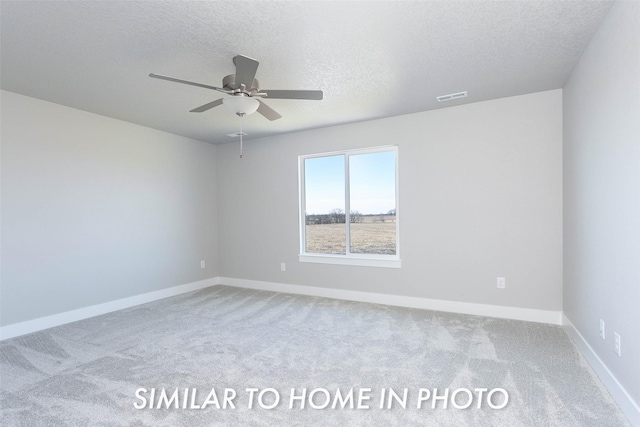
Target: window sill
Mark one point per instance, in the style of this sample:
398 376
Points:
343 260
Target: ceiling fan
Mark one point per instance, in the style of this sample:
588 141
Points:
245 92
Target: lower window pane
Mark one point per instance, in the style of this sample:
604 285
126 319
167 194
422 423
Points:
326 238
376 235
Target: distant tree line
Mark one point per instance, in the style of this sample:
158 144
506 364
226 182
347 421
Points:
338 216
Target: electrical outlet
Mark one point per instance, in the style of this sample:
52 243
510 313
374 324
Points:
203 264
616 343
502 282
283 266
601 328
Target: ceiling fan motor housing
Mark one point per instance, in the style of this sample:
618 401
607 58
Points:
229 82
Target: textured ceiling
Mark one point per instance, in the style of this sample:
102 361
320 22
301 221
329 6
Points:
371 59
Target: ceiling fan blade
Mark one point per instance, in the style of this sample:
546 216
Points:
187 82
245 70
293 94
267 111
208 106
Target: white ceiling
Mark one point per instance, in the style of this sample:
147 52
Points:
372 59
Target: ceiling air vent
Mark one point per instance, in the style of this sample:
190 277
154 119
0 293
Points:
237 134
451 96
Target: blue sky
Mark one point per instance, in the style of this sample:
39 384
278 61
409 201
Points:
372 183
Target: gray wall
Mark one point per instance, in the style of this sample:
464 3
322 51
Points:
480 197
96 209
602 193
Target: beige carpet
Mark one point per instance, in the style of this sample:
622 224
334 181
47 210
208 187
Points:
88 372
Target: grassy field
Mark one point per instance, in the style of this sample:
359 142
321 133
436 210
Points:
366 238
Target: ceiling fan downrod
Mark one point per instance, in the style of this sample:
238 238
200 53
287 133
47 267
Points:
242 115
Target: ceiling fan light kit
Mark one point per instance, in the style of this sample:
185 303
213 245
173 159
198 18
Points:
241 105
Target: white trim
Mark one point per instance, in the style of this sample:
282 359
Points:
504 312
302 199
47 322
350 260
629 407
347 206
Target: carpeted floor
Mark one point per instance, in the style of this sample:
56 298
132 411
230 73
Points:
88 372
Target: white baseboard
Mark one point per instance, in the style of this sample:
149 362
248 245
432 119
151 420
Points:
47 322
516 313
629 407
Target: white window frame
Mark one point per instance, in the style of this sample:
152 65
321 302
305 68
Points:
366 260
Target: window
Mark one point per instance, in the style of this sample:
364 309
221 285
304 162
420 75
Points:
348 207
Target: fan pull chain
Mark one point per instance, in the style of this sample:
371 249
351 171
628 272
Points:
241 120
241 115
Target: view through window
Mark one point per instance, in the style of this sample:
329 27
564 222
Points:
349 203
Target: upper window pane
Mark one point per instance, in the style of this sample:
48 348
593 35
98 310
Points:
372 187
325 227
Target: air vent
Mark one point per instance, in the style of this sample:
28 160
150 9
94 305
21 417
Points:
451 96
237 134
